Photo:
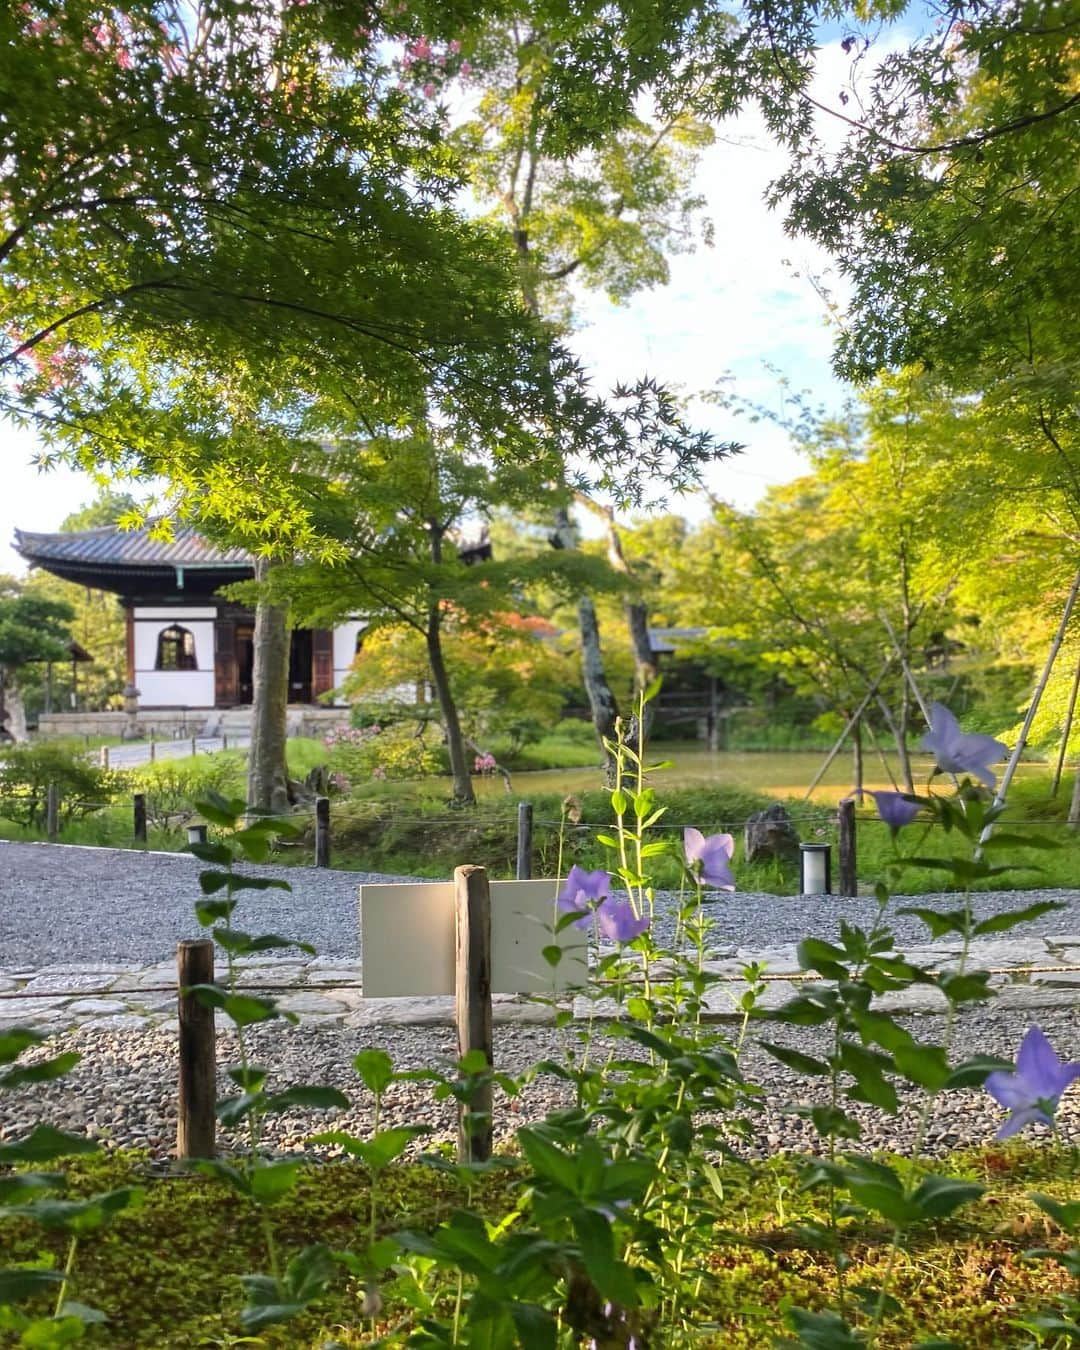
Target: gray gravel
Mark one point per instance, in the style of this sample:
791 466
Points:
124 1089
63 903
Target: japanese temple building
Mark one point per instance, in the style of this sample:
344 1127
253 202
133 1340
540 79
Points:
188 649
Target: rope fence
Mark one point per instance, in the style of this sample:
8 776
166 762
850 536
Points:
516 845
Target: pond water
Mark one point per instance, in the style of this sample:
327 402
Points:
778 773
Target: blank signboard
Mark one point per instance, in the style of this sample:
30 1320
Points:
407 932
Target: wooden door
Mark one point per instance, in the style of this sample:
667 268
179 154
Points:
322 662
225 676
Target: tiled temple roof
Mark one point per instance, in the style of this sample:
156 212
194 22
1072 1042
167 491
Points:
111 547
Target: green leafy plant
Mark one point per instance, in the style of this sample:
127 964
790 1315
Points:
35 1195
27 770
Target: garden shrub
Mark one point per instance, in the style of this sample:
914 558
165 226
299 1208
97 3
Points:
374 752
27 770
170 786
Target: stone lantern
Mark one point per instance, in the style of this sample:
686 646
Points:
131 709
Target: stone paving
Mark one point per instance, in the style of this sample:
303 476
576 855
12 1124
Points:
326 991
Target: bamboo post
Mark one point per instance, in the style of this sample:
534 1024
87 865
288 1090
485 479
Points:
838 745
322 831
849 882
1074 801
195 1129
472 906
138 805
52 812
1033 708
524 841
103 756
857 759
1066 732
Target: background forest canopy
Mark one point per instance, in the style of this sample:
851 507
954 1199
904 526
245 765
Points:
233 260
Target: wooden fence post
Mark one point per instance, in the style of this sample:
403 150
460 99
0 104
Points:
524 841
153 747
103 756
322 831
52 811
472 907
224 740
195 1129
194 747
849 882
138 803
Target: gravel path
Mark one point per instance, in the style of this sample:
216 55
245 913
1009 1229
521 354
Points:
62 903
124 1089
65 903
71 904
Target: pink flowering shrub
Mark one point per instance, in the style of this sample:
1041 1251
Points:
361 754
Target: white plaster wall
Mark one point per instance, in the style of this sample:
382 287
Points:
174 688
344 651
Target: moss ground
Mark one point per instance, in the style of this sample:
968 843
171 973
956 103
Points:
166 1273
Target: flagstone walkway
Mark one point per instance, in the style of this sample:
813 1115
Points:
326 992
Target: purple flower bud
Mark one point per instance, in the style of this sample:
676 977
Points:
617 921
958 752
712 856
1031 1093
582 891
896 809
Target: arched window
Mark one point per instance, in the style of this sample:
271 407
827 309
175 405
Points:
176 649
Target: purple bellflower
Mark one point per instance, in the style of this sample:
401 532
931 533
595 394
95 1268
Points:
896 809
714 855
1031 1093
959 752
617 921
582 891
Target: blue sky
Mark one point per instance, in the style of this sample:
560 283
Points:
734 309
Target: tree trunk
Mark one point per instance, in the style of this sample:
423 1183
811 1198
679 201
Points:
455 741
440 678
268 786
637 613
13 712
903 730
857 761
1074 804
602 704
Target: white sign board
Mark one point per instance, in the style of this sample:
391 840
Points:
407 932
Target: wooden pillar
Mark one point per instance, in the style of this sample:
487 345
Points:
524 841
195 1129
322 831
52 811
849 881
138 803
472 904
129 643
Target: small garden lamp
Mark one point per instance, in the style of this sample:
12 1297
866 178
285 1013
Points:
196 832
815 869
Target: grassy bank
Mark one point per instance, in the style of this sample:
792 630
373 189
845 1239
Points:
166 1274
409 827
